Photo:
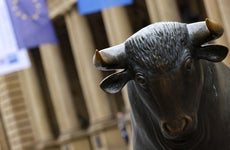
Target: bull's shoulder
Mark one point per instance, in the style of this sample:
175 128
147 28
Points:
217 97
223 76
217 74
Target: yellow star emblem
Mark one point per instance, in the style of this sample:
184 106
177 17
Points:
24 16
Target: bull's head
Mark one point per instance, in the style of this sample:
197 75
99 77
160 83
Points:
162 62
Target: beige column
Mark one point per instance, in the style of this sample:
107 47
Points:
117 25
15 114
59 89
167 10
152 10
163 10
3 139
97 103
118 29
83 49
36 106
4 144
224 6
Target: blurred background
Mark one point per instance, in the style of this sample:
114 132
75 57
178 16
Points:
57 104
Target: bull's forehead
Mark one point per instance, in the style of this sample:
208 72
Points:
159 46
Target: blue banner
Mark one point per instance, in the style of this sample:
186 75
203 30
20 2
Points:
31 23
11 57
92 6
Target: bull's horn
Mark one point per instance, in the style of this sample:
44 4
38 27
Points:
202 32
110 58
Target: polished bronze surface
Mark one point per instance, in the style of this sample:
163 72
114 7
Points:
178 93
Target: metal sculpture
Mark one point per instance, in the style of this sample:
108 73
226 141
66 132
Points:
178 88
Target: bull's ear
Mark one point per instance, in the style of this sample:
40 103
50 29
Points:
214 53
115 82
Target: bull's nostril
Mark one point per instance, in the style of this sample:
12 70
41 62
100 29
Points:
184 124
188 119
166 127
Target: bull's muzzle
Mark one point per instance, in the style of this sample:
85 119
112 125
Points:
177 127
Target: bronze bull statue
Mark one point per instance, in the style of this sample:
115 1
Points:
178 88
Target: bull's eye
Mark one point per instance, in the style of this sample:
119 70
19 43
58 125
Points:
140 79
188 64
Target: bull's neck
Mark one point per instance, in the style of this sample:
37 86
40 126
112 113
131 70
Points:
146 127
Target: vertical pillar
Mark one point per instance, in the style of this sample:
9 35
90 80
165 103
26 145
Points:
118 29
224 6
35 104
15 114
152 10
3 138
59 89
163 10
97 102
83 49
117 24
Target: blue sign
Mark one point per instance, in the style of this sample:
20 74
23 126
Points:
12 58
92 6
